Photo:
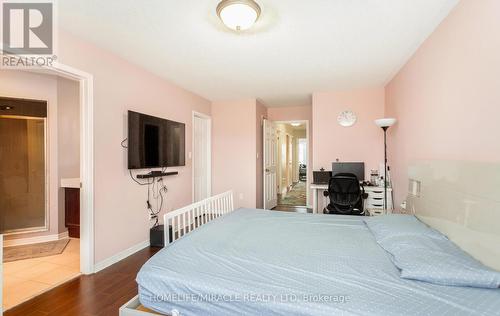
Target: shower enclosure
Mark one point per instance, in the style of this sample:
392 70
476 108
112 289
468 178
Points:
23 166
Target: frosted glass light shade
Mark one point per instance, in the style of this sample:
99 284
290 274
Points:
238 15
385 122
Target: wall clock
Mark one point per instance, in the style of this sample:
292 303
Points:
347 118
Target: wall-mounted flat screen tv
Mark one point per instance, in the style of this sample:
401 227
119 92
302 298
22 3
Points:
154 142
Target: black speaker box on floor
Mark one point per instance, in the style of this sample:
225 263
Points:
157 235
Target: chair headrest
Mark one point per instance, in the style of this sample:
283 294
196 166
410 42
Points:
346 176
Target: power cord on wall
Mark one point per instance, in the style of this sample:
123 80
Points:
157 187
123 141
156 190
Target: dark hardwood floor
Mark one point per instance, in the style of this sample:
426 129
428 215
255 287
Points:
100 294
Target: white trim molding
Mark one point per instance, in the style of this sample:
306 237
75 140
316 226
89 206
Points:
35 240
120 256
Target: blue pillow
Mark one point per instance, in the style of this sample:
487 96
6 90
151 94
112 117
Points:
438 261
395 225
424 254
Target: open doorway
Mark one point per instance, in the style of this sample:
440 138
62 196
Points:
292 166
40 135
286 166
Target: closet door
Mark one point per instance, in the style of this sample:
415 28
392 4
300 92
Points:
201 157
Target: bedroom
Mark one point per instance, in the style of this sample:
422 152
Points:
432 65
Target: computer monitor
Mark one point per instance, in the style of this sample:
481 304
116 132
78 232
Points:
357 168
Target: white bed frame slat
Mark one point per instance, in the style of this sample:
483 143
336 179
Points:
197 218
204 213
192 217
189 218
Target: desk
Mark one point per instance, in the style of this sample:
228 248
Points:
375 200
316 188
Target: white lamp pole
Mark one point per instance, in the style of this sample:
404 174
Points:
385 123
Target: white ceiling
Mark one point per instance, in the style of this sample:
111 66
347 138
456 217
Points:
296 47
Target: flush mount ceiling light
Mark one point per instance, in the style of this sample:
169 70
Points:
296 124
238 15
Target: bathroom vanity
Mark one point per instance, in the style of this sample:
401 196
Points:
72 205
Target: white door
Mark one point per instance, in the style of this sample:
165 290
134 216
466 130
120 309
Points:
201 157
270 165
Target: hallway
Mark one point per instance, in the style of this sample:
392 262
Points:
297 195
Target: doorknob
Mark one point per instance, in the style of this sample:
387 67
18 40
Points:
267 170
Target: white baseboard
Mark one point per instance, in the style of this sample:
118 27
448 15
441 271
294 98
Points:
34 240
120 256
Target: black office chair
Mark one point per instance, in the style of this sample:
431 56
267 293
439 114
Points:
346 195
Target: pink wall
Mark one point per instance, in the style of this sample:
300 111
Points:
447 98
361 142
68 141
120 86
234 143
260 112
290 113
68 120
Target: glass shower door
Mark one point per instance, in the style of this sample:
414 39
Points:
23 203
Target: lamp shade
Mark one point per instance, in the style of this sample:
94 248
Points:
385 122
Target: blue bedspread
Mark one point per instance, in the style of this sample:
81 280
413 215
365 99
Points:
255 262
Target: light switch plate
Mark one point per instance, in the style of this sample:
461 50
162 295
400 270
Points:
414 187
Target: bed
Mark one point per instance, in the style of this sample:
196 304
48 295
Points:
256 262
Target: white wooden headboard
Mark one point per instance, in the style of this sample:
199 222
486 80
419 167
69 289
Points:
462 200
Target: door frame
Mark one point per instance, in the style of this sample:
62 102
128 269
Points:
308 156
209 158
86 82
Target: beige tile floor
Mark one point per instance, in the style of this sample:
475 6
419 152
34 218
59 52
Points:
25 279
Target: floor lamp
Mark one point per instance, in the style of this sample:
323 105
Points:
385 123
